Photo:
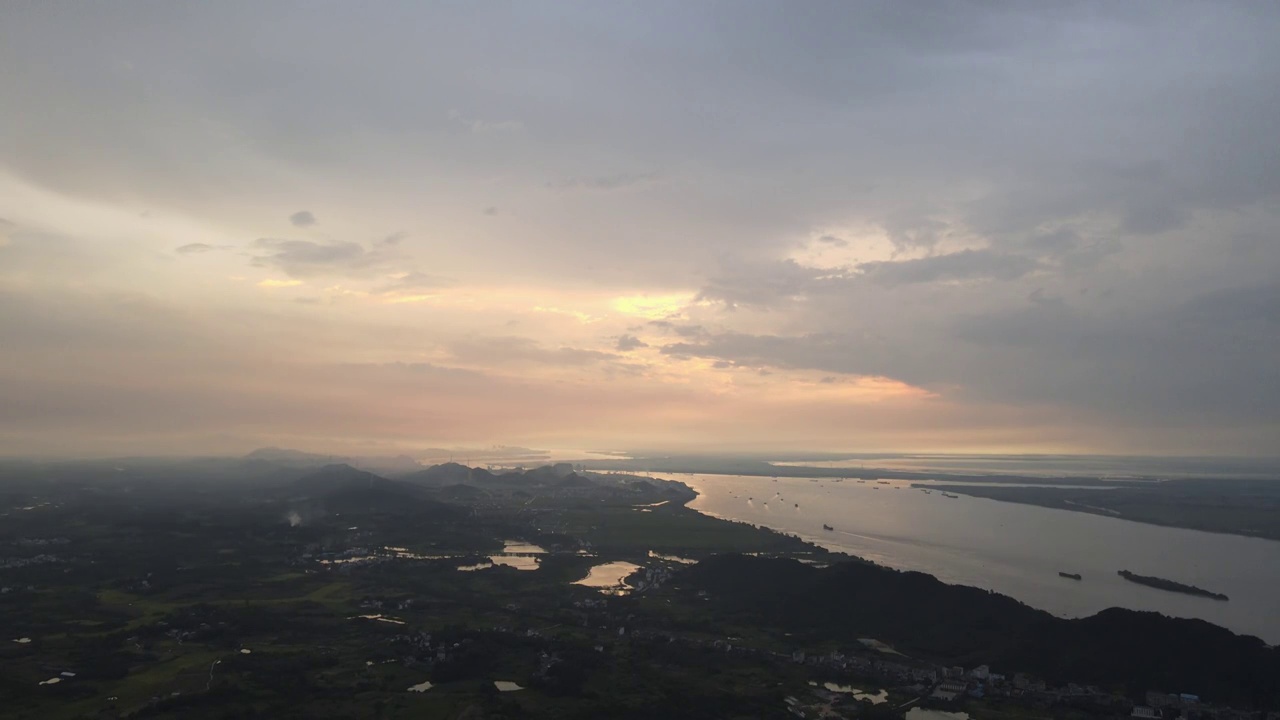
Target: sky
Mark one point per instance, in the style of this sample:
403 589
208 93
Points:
843 226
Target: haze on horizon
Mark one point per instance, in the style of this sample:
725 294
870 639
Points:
871 226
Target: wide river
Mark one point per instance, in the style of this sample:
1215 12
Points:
1014 549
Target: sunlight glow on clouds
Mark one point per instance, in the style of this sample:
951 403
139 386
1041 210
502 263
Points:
653 307
879 230
274 283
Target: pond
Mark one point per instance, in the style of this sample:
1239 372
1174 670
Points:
517 562
607 577
506 686
916 713
874 698
672 558
519 546
379 618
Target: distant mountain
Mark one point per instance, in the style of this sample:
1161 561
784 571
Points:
448 474
390 464
345 489
573 480
340 476
285 456
462 492
558 475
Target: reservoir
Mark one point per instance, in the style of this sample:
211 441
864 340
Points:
1013 549
607 577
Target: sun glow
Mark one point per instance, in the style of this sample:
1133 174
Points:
653 307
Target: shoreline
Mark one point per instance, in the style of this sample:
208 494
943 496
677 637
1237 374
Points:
869 544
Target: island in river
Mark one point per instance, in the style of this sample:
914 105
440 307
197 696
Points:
1170 585
1237 507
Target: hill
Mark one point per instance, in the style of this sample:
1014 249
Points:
922 616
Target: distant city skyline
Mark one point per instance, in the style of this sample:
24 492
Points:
730 226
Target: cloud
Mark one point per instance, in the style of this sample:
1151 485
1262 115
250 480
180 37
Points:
305 258
507 350
196 248
274 283
685 330
963 265
605 182
1088 247
762 285
479 126
912 230
415 282
302 219
1207 357
629 342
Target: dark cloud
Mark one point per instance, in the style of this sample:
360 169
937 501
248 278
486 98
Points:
913 230
491 210
629 342
826 351
302 219
761 285
1152 217
394 238
685 330
963 265
834 241
1211 356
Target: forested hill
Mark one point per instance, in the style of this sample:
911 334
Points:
926 618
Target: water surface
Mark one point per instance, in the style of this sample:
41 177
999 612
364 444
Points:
1015 549
607 577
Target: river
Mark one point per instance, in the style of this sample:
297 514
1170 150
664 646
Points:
1014 549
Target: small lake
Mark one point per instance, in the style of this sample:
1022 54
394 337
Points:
672 558
379 618
916 713
1014 549
607 577
874 698
517 562
519 546
506 686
